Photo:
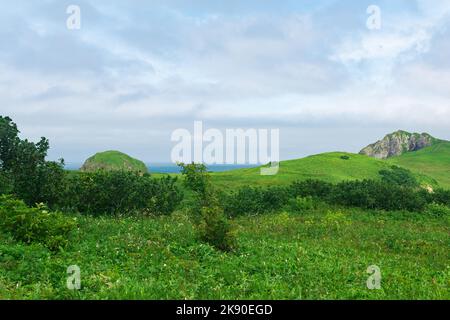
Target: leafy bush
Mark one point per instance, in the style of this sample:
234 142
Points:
399 176
35 224
302 204
313 188
215 229
121 192
212 224
345 157
441 196
371 194
31 178
5 184
252 201
437 210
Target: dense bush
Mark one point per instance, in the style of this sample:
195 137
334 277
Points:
302 204
399 176
371 194
312 188
437 210
22 164
441 196
212 225
121 192
35 224
215 229
252 201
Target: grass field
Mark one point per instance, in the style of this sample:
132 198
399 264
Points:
329 167
317 254
320 254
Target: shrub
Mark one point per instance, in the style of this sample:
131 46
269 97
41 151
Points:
215 229
345 157
313 188
35 224
121 192
437 210
371 194
399 176
5 184
31 177
212 224
252 201
441 196
302 204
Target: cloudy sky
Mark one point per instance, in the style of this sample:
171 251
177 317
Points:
136 71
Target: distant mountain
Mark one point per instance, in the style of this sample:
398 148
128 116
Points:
113 160
398 143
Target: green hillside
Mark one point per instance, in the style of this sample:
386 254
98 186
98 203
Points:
432 161
331 167
327 166
113 160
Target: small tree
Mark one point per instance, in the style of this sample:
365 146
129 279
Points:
23 165
213 226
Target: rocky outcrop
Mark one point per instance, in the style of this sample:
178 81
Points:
397 143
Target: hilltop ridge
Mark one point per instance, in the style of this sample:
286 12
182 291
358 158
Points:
398 143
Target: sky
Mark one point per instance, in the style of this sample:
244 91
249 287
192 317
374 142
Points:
136 71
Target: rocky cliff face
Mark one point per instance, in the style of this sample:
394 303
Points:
397 143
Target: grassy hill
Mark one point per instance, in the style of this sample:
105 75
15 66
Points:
331 167
432 161
113 160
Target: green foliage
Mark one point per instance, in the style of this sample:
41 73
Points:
23 165
196 177
252 201
313 188
302 204
215 229
121 192
315 255
437 210
432 161
212 225
441 196
35 224
6 186
369 194
345 157
399 176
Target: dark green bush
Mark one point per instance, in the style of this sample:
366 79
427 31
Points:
440 196
30 177
371 194
313 188
121 192
212 225
215 229
399 176
253 201
36 224
437 210
302 204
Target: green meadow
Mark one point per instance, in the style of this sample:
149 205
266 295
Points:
319 254
312 231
